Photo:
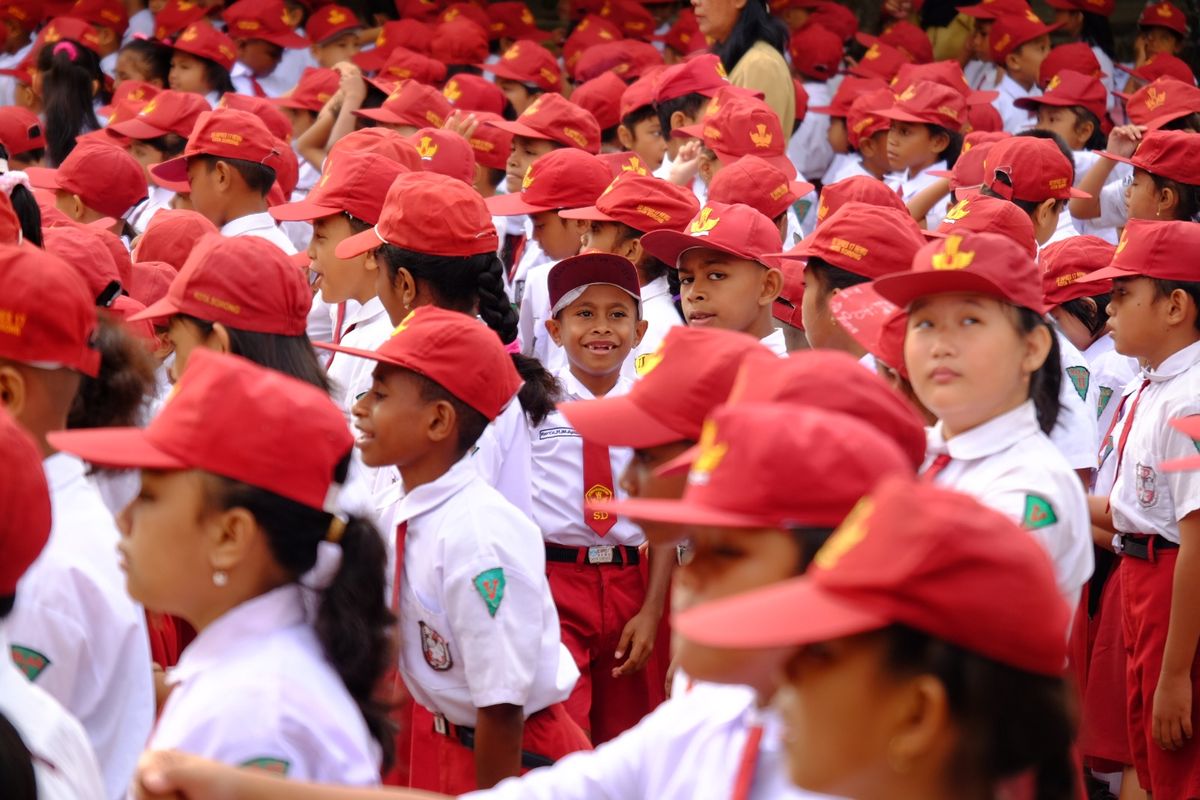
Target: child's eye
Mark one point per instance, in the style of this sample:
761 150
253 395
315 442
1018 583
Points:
970 321
685 281
716 276
620 314
921 325
584 313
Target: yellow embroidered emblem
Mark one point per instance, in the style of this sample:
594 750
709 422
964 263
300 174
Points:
335 17
761 138
711 454
704 223
598 494
1054 83
907 94
148 109
1163 11
451 91
951 258
403 326
426 148
852 531
1123 242
1032 17
527 181
958 211
646 363
1155 98
634 165
512 53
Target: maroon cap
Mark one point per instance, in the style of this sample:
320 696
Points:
458 42
424 10
703 75
224 133
1166 154
472 93
553 117
492 146
642 202
49 316
757 183
24 504
262 19
1162 65
167 112
172 235
836 17
570 277
1164 15
104 176
849 89
736 229
982 214
1036 170
202 40
886 245
1077 56
130 94
410 33
929 103
20 130
312 92
593 30
625 161
1065 262
1151 249
565 178
601 97
640 93
1013 30
880 61
1069 88
858 189
354 182
626 58
529 63
816 52
878 326
71 29
445 152
734 127
109 14
412 103
329 22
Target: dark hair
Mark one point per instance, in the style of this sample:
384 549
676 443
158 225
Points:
1010 720
809 540
1063 147
258 177
6 605
216 76
1045 383
1188 122
1098 32
69 71
1188 208
754 24
690 104
29 214
1093 315
1164 288
462 69
1097 140
638 115
32 157
471 423
116 397
16 764
291 355
609 135
353 622
169 144
155 55
953 148
833 278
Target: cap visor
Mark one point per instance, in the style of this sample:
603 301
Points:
378 115
587 212
940 173
801 188
688 132
680 512
617 422
832 111
173 171
1107 273
115 447
518 129
779 162
794 612
511 205
370 355
160 309
900 115
43 177
1080 193
301 211
501 71
358 244
905 287
137 129
668 246
1188 426
1181 464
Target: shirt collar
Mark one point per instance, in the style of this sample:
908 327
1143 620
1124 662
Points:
923 174
1177 362
775 342
367 312
63 469
989 438
250 222
431 495
1010 87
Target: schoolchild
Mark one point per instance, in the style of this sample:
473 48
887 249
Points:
171 236
867 134
841 160
816 55
268 47
1162 28
333 33
409 106
682 97
1033 172
601 97
145 60
65 71
202 59
1165 184
734 126
1086 23
1018 43
767 189
640 131
525 72
22 136
97 181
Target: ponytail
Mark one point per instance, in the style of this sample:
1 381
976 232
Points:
1046 381
117 396
25 206
70 73
494 306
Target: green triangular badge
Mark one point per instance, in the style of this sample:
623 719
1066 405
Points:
1106 394
1080 378
276 765
29 661
1038 513
490 585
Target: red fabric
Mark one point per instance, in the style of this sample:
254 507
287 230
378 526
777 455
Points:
934 469
164 642
744 780
1128 424
401 715
1103 728
598 484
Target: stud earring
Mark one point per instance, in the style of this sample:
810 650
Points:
220 577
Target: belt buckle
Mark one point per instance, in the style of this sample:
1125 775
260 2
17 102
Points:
440 726
601 554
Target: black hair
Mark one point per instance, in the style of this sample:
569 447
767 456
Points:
258 177
69 74
353 622
494 176
6 605
1164 288
1061 143
651 267
29 214
1188 122
754 24
1092 312
1098 32
169 144
1188 207
16 764
291 355
1098 139
117 396
216 76
1009 720
32 157
833 278
471 423
156 56
462 69
638 115
690 104
954 144
1046 381
609 135
809 540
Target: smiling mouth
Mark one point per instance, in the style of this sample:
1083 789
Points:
600 347
700 317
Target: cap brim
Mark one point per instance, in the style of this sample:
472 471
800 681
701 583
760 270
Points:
688 132
511 205
378 115
291 41
681 512
904 287
137 129
517 129
43 177
501 71
668 246
801 188
301 211
899 115
1107 273
1158 122
1080 193
1180 464
126 448
618 422
780 162
160 309
370 355
359 243
587 212
173 170
1188 426
940 173
370 60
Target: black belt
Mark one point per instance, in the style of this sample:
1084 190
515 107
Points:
466 737
616 555
1142 546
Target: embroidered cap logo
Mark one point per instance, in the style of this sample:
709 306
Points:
951 258
711 454
704 223
852 531
761 138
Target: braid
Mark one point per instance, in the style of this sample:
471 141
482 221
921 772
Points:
494 307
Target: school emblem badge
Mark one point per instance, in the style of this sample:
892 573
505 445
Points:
711 454
852 531
435 648
267 764
598 494
1080 379
704 223
1147 491
951 258
29 661
1038 513
1106 394
490 585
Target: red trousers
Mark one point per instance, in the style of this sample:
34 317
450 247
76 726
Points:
1104 723
594 603
1146 589
441 763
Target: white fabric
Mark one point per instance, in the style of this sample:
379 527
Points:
1111 372
909 186
1075 430
808 148
277 84
351 375
502 457
142 22
531 256
531 323
158 199
776 342
8 83
1015 119
658 309
1084 159
263 226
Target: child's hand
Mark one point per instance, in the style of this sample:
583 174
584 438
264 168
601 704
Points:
463 123
165 774
1172 720
1124 139
637 639
1139 50
687 163
352 87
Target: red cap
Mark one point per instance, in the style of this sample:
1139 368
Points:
10 226
151 281
461 41
880 61
469 92
983 117
564 178
947 73
858 189
633 18
131 95
202 40
410 33
1151 249
849 89
994 9
109 14
624 161
329 22
742 126
262 19
553 117
445 152
751 457
69 28
1166 154
263 108
1065 262
789 305
312 92
703 75
968 170
172 235
386 142
491 145
642 202
570 277
684 37
20 130
82 248
1013 30
529 63
1162 65
242 282
816 52
836 17
601 97
1190 427
640 93
455 351
983 263
175 16
907 38
593 30
982 214
1037 170
1164 15
428 213
1102 7
887 245
48 314
354 182
626 58
681 383
1077 56
24 504
104 176
412 103
863 120
736 229
757 183
512 20
1070 88
290 438
929 103
423 10
24 14
471 12
224 133
168 112
1162 101
915 555
879 326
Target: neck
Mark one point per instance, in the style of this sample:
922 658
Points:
244 207
917 169
232 596
427 469
598 385
952 427
1171 344
1024 83
762 327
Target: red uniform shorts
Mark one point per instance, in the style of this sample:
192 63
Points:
1104 726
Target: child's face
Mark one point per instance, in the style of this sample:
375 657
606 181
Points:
601 236
343 48
1142 197
184 337
1076 332
132 67
145 155
1160 40
1136 317
516 93
260 56
722 291
559 238
598 330
1062 121
1025 62
873 150
524 152
639 480
205 193
820 328
339 279
648 142
912 146
392 419
838 139
979 40
187 74
300 118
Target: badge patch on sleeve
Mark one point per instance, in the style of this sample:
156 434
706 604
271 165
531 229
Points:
30 662
490 585
275 765
1038 513
1106 394
1080 378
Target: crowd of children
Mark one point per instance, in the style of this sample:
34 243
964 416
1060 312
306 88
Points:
616 400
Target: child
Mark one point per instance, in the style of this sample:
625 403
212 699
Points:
768 190
302 105
143 60
739 126
1162 28
841 163
640 131
723 281
481 651
409 107
262 33
601 97
525 72
96 181
110 20
1018 43
1035 174
70 84
982 358
221 537
1086 22
816 56
201 62
1165 184
867 134
682 96
22 138
171 236
1154 318
333 31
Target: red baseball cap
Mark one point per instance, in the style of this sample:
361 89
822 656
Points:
412 103
171 236
551 116
704 75
742 126
879 327
789 305
386 142
684 37
461 41
167 112
1070 88
20 130
1190 427
1167 154
354 182
1162 65
863 121
601 97
1164 15
681 383
290 437
24 504
626 58
968 170
751 457
129 94
565 178
313 90
624 161
916 555
1076 56
529 63
759 184
994 9
735 229
512 20
640 93
109 14
202 40
633 18
424 10
1151 249
263 108
224 133
445 152
472 12
428 213
472 93
880 61
857 189
1102 7
175 16
1065 262
262 19
410 33
10 226
242 282
929 103
1162 101
849 89
71 29
816 52
983 214
25 14
1036 170
104 176
836 17
82 248
329 22
947 73
50 318
885 246
151 281
572 276
593 30
982 263
907 38
455 351
491 145
642 202
1013 30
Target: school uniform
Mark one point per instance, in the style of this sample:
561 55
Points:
141 22
535 310
8 83
158 199
1015 119
808 148
776 343
908 185
1078 398
531 256
367 327
76 633
1112 373
983 76
273 85
502 457
255 689
658 309
1084 160
263 226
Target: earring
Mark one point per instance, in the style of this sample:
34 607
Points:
220 577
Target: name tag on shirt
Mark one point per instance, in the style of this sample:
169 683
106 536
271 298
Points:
556 433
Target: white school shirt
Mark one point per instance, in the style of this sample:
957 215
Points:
775 342
351 375
1015 119
558 488
74 619
658 309
531 322
909 186
158 199
263 226
687 748
1084 160
8 83
273 85
478 626
63 762
255 689
1145 499
142 22
502 457
531 255
1111 372
1075 431
1009 464
808 148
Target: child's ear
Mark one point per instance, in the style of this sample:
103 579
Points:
218 339
640 331
13 392
633 250
625 137
1085 128
1037 348
680 120
443 421
231 538
1168 200
772 285
555 330
1181 309
939 142
1012 61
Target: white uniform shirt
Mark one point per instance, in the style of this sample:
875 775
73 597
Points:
1144 498
502 457
558 488
255 688
158 199
1015 119
808 148
63 764
263 226
909 185
77 633
478 625
1112 373
1075 430
531 324
658 309
8 83
776 342
1010 465
351 375
277 84
531 255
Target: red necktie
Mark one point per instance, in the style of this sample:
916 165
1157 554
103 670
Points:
401 535
517 251
258 90
338 333
597 485
1128 427
744 779
935 468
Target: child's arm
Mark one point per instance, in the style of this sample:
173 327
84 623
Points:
498 733
311 143
353 89
640 632
924 200
1172 721
1122 142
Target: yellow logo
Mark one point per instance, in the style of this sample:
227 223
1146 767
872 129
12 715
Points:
1164 11
1057 184
324 179
852 531
646 363
335 17
1002 43
148 109
1155 98
712 108
512 53
220 137
426 149
721 71
526 16
534 107
634 165
451 91
136 94
612 185
907 94
52 35
951 257
403 326
958 211
598 494
1032 17
704 223
576 137
248 25
710 456
761 138
848 248
661 217
872 53
12 322
779 191
712 133
1123 241
527 181
822 208
1054 83
450 15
